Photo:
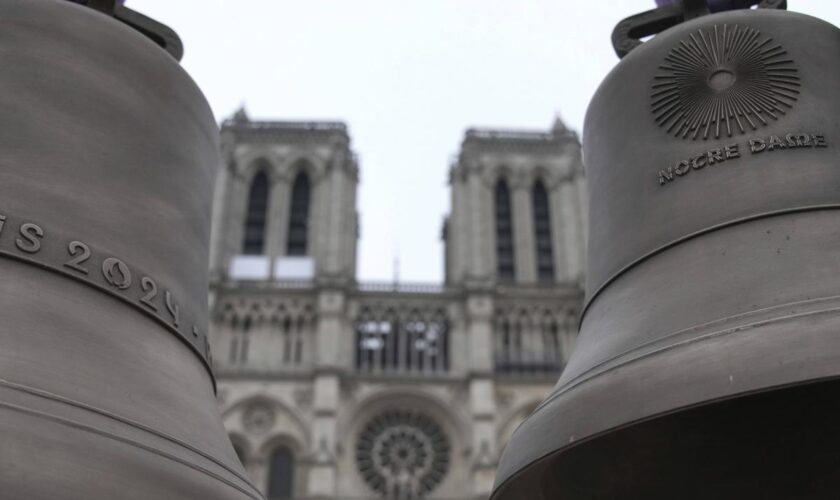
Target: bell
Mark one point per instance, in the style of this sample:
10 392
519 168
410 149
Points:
108 152
709 349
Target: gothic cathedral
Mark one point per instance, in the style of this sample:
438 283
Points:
335 388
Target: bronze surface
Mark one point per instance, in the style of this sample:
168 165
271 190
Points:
108 153
708 349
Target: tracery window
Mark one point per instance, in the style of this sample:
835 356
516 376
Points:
504 232
267 334
542 228
530 339
402 454
281 474
254 239
299 216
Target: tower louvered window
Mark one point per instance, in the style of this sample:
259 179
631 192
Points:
299 216
542 228
254 239
504 233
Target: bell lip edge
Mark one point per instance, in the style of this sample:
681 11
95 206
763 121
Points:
543 460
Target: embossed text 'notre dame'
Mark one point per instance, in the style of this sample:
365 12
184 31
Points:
734 151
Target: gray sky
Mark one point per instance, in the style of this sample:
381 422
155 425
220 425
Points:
408 77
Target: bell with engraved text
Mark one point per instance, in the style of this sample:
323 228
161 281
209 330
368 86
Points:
108 152
708 357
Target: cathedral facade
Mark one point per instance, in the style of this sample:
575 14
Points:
336 388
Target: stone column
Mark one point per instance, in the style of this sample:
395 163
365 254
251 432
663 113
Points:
523 232
336 214
329 335
452 263
277 216
559 236
319 226
322 471
460 362
234 225
458 231
482 402
572 236
477 235
349 229
217 226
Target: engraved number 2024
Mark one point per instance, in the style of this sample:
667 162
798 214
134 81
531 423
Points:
80 253
150 287
117 274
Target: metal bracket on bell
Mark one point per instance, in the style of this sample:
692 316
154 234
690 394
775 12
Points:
159 33
628 33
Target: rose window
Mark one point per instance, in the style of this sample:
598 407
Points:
402 454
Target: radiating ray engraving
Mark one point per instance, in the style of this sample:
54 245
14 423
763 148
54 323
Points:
721 81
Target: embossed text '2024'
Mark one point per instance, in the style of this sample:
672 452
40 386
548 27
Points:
113 275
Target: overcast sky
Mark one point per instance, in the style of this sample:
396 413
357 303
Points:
408 77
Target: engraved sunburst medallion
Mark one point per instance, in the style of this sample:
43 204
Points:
722 81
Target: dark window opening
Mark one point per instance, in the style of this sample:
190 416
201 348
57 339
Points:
542 228
299 216
504 233
254 239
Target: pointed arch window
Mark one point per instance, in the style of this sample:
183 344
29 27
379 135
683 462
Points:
281 474
296 243
254 240
504 232
542 228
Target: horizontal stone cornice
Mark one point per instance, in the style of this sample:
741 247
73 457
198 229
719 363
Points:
296 131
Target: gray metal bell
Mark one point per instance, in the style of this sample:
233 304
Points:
108 152
709 349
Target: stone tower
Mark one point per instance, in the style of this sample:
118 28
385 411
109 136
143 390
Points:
514 245
285 202
518 209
